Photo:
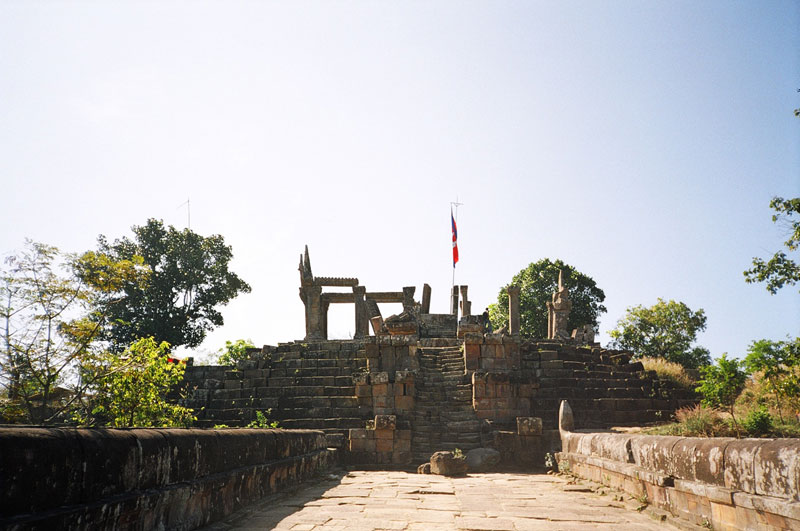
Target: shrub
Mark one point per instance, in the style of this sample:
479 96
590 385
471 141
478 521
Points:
758 422
698 420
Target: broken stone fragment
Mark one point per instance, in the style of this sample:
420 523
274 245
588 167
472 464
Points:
424 468
447 464
482 459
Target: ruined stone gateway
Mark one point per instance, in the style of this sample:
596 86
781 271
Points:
422 382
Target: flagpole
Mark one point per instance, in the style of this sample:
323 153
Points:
455 204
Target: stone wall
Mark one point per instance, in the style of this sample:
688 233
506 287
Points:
61 478
514 378
721 483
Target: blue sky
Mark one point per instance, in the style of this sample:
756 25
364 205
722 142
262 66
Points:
640 142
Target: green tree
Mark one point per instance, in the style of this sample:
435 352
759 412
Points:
129 390
235 351
776 364
50 324
664 330
537 284
189 279
780 270
721 385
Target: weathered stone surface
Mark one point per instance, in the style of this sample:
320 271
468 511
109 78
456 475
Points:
482 459
60 478
529 425
385 422
424 468
446 464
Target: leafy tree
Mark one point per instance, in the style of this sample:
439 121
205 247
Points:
776 364
49 324
189 279
721 384
537 284
664 330
780 270
235 351
130 389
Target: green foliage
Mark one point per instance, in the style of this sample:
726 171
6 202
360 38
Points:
537 284
780 270
189 279
721 384
234 351
130 389
776 366
262 421
665 330
49 322
758 422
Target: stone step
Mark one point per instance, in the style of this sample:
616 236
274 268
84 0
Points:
341 423
305 390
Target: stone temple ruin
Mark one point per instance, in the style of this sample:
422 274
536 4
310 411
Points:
414 383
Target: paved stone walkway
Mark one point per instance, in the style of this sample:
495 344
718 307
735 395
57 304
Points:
362 500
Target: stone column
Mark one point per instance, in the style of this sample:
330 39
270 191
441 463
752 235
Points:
408 298
466 305
324 319
312 298
426 299
454 301
513 309
362 322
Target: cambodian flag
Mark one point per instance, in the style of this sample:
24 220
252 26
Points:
455 238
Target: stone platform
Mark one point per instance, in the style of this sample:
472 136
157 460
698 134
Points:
362 500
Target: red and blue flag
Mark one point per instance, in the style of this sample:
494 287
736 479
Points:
455 238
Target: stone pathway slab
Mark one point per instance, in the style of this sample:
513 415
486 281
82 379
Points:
376 500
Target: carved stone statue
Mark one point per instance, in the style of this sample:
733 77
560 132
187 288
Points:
558 312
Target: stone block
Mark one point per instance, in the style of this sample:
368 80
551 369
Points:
363 390
380 389
402 445
404 403
384 445
381 377
385 403
777 468
360 378
529 425
385 422
739 459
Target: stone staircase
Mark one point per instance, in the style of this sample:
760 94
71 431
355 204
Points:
443 418
300 385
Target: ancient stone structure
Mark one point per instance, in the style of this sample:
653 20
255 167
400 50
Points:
442 381
718 482
76 479
558 312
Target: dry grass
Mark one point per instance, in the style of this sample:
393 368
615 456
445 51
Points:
669 371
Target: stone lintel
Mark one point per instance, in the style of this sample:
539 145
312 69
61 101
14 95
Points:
335 281
385 296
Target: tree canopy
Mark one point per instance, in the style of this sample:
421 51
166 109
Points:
665 330
537 284
50 321
189 279
780 270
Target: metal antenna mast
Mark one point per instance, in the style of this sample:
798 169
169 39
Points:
455 204
188 213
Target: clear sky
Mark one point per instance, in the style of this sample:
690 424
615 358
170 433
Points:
638 141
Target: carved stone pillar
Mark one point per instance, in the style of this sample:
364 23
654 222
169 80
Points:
454 301
426 299
325 306
558 312
513 309
362 322
312 299
466 305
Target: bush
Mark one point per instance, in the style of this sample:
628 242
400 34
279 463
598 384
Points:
668 370
758 422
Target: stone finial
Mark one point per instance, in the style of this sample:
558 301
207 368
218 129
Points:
566 421
454 301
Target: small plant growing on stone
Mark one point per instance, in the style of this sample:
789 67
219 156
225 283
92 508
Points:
550 462
262 421
457 453
220 426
